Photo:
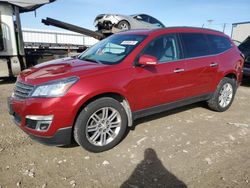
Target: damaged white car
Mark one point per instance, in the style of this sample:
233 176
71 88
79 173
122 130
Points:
116 22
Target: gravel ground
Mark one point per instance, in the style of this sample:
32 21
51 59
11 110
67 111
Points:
187 147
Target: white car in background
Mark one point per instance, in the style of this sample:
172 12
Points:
109 22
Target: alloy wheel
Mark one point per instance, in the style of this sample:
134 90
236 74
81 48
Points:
103 126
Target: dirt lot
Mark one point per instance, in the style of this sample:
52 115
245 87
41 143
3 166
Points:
188 147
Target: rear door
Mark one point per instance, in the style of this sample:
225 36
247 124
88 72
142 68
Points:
202 67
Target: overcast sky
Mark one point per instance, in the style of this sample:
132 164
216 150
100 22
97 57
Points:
170 12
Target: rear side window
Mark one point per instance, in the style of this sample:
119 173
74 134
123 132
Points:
195 45
155 22
144 17
218 44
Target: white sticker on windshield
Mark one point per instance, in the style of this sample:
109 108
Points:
129 42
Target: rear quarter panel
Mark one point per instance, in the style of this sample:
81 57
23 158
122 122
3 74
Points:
230 62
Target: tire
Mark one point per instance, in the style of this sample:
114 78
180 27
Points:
123 25
216 102
104 130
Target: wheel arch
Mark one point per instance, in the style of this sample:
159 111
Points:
124 21
231 75
115 95
234 75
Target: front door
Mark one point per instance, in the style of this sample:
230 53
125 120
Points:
162 83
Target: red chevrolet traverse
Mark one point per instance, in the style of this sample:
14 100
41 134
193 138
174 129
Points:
95 97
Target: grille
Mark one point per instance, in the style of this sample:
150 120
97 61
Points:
22 90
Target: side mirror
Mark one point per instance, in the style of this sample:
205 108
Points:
147 60
138 17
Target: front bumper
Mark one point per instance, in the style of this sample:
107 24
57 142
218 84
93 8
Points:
62 137
59 131
105 25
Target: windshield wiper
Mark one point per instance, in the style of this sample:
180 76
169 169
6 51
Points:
91 60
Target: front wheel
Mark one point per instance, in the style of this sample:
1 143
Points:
123 25
101 125
223 96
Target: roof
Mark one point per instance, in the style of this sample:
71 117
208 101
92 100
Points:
238 23
27 5
137 31
174 29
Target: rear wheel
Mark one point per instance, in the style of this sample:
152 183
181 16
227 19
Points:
123 25
101 125
223 96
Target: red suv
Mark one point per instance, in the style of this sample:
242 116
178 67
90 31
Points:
95 97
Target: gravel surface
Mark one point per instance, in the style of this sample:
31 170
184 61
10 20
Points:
188 147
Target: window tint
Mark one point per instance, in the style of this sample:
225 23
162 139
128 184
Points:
218 44
155 22
144 17
164 48
195 44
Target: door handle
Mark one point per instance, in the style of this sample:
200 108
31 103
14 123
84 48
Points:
213 64
178 70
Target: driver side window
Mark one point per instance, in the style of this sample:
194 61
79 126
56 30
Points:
164 48
145 18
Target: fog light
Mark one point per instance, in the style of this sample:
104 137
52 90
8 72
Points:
39 123
43 125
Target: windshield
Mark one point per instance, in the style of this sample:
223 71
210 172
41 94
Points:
113 49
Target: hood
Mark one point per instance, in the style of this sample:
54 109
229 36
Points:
57 69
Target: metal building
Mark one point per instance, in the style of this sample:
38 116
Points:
240 31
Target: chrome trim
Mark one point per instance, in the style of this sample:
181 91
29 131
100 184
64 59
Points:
22 90
40 118
208 55
178 70
213 64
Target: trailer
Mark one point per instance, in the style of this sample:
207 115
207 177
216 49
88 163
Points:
20 49
240 31
43 45
12 53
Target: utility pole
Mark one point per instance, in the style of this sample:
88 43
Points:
224 27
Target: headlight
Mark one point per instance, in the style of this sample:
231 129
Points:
55 88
